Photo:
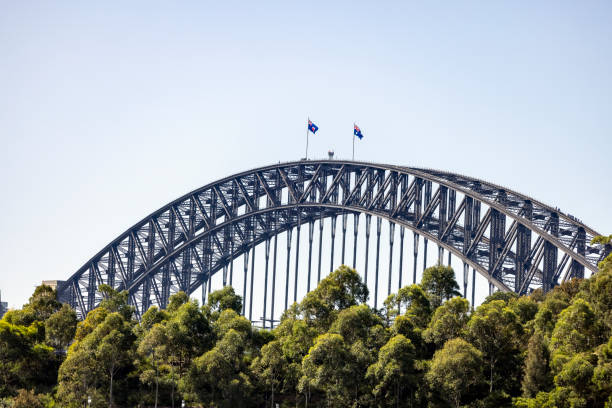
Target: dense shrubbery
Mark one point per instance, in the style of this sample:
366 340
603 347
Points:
425 347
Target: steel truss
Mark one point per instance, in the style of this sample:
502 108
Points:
514 241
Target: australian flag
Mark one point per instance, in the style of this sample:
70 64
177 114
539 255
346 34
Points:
357 132
312 127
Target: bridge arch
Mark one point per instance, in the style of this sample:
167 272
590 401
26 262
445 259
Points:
514 241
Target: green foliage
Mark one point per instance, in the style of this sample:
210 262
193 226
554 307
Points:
115 302
448 321
60 328
26 362
359 323
455 369
327 368
597 292
394 373
104 352
549 310
341 289
525 308
576 331
176 301
271 367
537 375
27 399
602 240
224 299
499 295
496 331
218 377
440 284
43 303
415 302
424 348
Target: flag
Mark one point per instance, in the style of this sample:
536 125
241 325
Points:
357 132
312 127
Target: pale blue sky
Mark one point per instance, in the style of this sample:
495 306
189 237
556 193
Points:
110 110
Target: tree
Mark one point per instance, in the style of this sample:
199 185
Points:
43 303
439 282
326 367
549 311
115 301
404 325
80 376
575 376
364 335
602 375
113 350
500 295
537 375
25 361
576 331
150 318
218 378
295 337
394 372
16 343
448 321
177 300
27 399
189 334
224 299
525 308
597 291
359 323
270 367
413 301
341 289
155 349
496 331
454 369
60 328
102 353
229 319
93 319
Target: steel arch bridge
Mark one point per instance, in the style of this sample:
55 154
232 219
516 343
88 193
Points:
515 242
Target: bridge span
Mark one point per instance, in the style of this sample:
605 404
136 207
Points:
514 241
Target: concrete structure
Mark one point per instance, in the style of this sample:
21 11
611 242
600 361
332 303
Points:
52 283
3 306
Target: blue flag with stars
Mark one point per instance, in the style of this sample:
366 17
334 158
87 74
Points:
357 132
312 127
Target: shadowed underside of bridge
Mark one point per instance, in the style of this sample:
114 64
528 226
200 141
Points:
517 243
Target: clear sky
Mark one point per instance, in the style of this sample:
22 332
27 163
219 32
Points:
109 110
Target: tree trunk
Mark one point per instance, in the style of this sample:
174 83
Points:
172 394
491 378
397 394
110 393
156 389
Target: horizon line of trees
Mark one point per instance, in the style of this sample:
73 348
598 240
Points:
426 347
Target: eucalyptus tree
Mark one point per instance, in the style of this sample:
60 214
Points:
454 369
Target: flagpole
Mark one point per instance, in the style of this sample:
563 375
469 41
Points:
353 141
307 131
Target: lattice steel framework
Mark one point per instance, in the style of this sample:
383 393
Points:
514 241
